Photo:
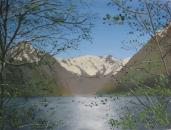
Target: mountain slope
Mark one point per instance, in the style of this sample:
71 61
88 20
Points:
146 64
87 75
84 75
92 65
35 78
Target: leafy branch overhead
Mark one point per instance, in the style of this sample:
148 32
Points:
50 26
145 18
29 31
136 14
148 71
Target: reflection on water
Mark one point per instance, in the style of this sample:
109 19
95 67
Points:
81 113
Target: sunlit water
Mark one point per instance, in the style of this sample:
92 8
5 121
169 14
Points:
81 113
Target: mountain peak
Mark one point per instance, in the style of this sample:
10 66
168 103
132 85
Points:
89 65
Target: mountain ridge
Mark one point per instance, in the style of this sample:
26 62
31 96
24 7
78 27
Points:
146 65
91 65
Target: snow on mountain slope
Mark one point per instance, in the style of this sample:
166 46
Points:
92 65
24 51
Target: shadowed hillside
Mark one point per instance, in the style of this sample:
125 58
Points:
146 64
75 76
53 77
36 79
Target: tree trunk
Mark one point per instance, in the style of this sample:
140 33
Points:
156 39
2 95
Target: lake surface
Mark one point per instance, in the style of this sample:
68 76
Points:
81 113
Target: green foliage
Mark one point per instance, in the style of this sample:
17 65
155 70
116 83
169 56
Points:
146 18
162 81
41 84
160 88
126 123
49 27
37 79
153 91
23 117
155 115
151 117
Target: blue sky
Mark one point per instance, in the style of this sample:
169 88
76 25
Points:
107 40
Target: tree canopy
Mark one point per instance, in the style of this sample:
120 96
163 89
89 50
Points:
48 25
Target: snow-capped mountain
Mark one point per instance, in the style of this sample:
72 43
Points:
93 65
24 52
82 75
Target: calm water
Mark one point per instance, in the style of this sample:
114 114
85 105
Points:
81 113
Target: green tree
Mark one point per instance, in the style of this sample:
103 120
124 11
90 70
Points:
49 26
146 19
